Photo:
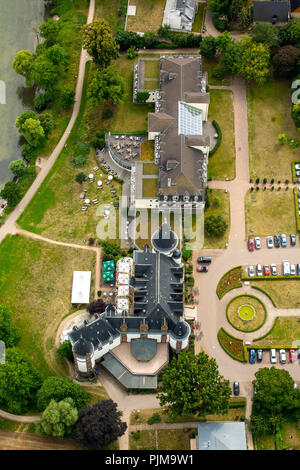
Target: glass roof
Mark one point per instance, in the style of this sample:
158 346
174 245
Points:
189 119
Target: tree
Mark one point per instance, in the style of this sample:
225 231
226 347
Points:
33 132
17 167
55 54
19 381
150 40
215 225
23 63
58 418
49 31
97 306
9 333
235 8
142 96
23 118
11 193
254 60
67 97
97 39
126 39
44 72
65 351
244 19
59 388
192 385
285 61
290 34
80 178
106 85
47 121
265 33
99 425
80 155
208 47
275 396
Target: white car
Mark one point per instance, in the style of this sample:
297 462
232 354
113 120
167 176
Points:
273 357
270 243
297 166
293 270
257 243
274 270
259 270
251 271
282 356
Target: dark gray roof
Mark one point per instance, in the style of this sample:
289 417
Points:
271 11
221 436
164 239
82 347
143 349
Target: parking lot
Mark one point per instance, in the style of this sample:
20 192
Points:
266 358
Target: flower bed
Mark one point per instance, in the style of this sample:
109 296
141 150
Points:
230 280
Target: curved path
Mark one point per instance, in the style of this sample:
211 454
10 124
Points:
9 226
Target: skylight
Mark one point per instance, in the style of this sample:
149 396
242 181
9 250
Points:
189 119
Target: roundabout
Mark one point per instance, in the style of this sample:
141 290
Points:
246 313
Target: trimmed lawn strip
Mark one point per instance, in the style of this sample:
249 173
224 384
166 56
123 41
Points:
246 326
150 169
284 331
35 283
269 212
284 293
152 69
230 280
269 114
221 165
232 345
151 85
198 21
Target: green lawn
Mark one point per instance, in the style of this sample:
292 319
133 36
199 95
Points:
150 169
220 205
36 284
150 187
152 69
270 212
269 114
108 9
222 163
285 294
237 311
285 331
151 85
198 22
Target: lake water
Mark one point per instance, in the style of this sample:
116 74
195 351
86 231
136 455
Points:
19 21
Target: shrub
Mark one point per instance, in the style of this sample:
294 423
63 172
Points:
80 178
257 180
219 140
59 388
142 96
107 113
40 102
131 53
80 156
65 351
155 418
67 97
215 226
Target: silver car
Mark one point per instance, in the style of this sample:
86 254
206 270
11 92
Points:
270 243
282 356
274 270
251 271
257 243
259 270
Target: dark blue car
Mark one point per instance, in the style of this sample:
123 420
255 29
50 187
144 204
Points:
252 356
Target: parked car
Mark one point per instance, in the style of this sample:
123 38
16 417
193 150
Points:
270 241
297 166
236 388
293 239
252 356
251 244
257 243
298 269
267 271
251 271
286 268
282 356
283 240
293 270
293 356
259 354
273 357
297 172
274 270
259 270
204 259
276 241
202 269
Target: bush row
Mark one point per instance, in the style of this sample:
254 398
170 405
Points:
296 210
270 278
219 140
294 171
149 40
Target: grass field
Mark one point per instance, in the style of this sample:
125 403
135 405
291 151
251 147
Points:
151 85
257 313
222 163
36 283
150 187
166 439
149 15
197 25
147 151
285 294
269 114
150 169
270 212
152 69
220 205
108 9
285 331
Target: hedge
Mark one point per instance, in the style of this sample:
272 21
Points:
266 293
271 278
237 404
219 140
297 210
233 287
229 352
294 170
239 329
268 332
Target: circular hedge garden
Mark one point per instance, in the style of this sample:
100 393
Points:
246 313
